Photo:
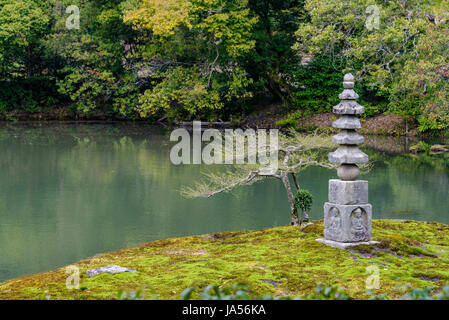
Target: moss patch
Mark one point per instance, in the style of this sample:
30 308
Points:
278 261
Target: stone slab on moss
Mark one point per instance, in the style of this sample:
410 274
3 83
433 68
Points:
108 269
345 245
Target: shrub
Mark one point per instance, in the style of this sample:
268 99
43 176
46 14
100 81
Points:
303 200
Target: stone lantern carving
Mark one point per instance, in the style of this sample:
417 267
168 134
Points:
347 214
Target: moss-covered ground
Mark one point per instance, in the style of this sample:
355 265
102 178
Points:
277 261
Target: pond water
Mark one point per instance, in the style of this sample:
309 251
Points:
70 191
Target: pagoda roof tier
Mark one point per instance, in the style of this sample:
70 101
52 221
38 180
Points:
348 107
348 94
348 137
348 154
347 122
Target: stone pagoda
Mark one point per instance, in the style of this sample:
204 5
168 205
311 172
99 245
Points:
347 214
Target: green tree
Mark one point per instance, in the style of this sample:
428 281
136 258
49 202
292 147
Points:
378 54
272 61
22 24
93 66
422 88
190 52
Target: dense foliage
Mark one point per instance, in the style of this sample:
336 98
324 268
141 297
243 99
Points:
321 292
303 200
209 59
402 58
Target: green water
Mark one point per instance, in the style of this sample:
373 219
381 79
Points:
70 191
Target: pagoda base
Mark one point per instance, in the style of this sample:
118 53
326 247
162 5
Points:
347 223
345 245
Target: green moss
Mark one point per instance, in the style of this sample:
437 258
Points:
279 261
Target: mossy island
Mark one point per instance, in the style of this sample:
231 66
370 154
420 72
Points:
281 261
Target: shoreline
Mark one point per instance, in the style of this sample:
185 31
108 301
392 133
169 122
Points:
383 125
311 129
280 261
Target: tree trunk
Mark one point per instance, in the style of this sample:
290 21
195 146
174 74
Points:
295 180
294 213
304 216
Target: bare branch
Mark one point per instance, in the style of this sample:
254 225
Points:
295 152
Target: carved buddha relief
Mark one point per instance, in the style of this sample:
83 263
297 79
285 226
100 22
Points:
359 229
334 222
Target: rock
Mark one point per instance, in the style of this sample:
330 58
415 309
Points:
424 147
438 148
419 147
108 269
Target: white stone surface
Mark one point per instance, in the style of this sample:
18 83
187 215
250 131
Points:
344 245
348 192
108 269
